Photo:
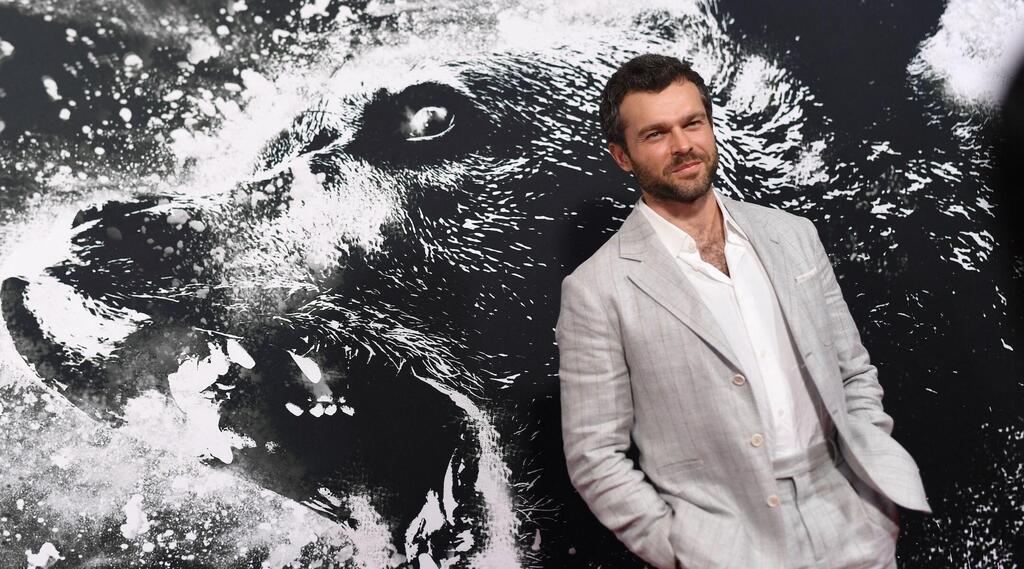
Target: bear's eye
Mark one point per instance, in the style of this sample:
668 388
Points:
417 125
427 123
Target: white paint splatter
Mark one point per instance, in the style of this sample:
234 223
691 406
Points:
279 35
748 89
975 51
256 83
294 531
228 109
810 166
370 535
132 61
50 85
202 431
46 557
880 209
177 217
62 459
529 25
173 95
880 148
202 49
315 8
136 523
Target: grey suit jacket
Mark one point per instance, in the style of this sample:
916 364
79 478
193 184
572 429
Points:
643 361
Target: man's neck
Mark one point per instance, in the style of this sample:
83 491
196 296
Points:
701 218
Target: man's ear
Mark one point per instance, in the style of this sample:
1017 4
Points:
620 156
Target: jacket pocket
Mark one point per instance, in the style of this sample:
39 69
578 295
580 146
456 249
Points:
878 510
806 275
683 465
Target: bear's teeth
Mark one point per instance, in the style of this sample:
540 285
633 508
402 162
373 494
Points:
239 355
309 368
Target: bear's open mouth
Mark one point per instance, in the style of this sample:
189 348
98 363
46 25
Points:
434 478
317 425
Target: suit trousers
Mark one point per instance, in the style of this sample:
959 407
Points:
833 521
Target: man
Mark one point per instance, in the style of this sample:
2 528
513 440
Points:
713 336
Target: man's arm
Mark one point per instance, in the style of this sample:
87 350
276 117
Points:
860 378
597 415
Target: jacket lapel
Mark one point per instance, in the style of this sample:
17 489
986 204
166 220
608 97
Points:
658 275
776 251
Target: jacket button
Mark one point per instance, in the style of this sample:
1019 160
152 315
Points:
738 379
756 440
773 501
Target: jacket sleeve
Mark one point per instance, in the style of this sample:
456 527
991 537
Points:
860 377
597 416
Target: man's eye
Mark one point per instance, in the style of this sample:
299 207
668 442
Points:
653 135
427 123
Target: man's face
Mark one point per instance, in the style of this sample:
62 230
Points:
670 146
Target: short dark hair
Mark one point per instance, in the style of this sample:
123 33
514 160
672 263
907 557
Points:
648 72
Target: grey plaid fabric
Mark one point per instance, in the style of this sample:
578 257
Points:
832 520
642 362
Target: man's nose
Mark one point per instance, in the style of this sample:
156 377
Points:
680 141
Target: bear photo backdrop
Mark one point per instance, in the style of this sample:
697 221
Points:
279 279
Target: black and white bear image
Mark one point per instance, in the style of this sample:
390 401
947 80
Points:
334 275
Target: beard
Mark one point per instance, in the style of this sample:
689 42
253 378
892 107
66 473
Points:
663 186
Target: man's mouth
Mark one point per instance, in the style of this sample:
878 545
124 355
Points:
686 167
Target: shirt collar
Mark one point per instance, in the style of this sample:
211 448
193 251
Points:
678 241
730 224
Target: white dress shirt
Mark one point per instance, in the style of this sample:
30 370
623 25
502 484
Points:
746 308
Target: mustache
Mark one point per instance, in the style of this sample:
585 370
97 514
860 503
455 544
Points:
691 157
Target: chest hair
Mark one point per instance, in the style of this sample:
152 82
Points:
712 251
